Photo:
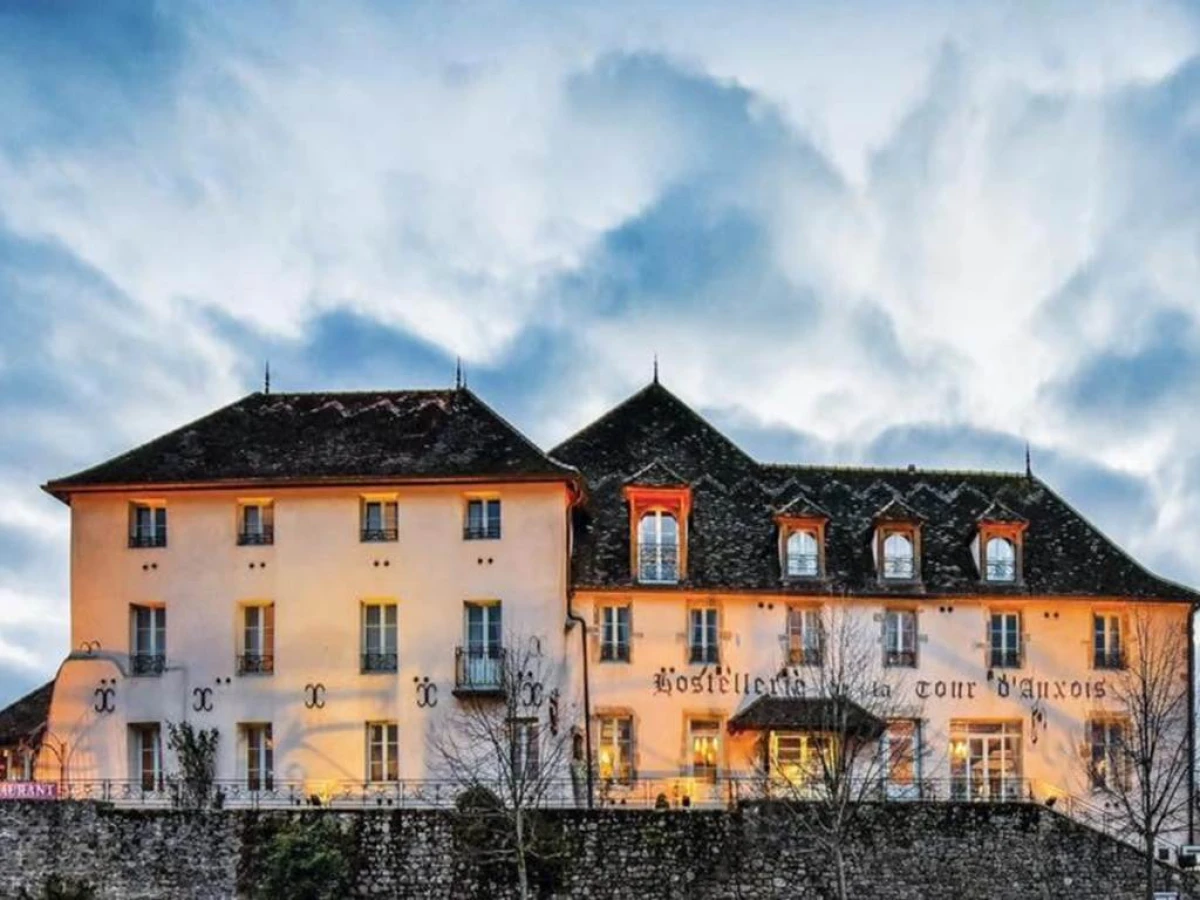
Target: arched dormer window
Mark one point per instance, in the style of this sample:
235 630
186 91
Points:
999 545
899 556
897 544
803 554
1000 559
658 547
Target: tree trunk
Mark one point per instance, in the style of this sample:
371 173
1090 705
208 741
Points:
522 871
1149 894
839 862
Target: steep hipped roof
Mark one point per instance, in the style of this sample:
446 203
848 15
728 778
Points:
733 539
330 436
25 719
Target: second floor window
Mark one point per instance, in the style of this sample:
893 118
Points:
483 520
383 751
803 555
379 653
149 626
258 640
804 644
900 637
380 520
616 748
703 644
260 756
614 633
899 556
658 548
1107 650
1004 641
147 525
257 524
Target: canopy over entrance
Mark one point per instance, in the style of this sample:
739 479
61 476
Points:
823 714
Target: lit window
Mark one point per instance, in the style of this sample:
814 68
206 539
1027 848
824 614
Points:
1004 640
900 638
483 520
379 643
804 636
985 761
149 626
146 747
258 640
260 756
795 756
383 752
1000 559
614 634
616 748
803 555
256 524
1110 765
899 558
658 548
147 525
704 739
901 738
703 635
1107 652
380 520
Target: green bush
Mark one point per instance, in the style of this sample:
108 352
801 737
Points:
306 859
56 888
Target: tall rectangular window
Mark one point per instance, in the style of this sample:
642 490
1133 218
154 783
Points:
1004 640
379 637
985 760
614 633
380 520
902 759
1111 765
804 636
149 627
1108 652
704 740
616 748
383 751
526 753
260 756
481 662
900 638
703 639
258 640
147 525
146 748
483 519
256 525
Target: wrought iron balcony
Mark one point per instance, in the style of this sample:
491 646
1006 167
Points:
376 535
1005 659
658 563
148 539
1001 570
257 537
900 658
1109 659
803 565
614 651
479 670
379 662
805 656
481 531
901 568
256 664
147 663
704 653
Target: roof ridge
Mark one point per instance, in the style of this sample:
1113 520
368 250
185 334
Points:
890 470
355 393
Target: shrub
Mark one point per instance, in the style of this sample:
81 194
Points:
306 859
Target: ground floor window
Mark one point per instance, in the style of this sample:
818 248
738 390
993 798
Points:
902 755
794 756
383 751
704 748
616 748
146 755
260 756
985 760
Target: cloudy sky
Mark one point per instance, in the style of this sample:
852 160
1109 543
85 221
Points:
871 233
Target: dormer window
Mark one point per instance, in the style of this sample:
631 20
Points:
897 546
658 533
1000 559
803 554
899 557
998 545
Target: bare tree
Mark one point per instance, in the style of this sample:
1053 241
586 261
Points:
1137 760
507 746
852 737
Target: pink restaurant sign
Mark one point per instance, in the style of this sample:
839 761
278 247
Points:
28 790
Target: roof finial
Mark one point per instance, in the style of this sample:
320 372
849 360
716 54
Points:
1028 462
458 375
656 368
267 378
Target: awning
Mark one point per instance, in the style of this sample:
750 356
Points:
819 714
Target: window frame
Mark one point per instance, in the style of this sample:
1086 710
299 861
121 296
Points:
609 739
709 650
1113 659
674 501
900 657
615 650
154 537
258 761
1006 660
154 778
804 645
662 548
1117 756
792 526
711 730
264 534
525 750
375 661
911 533
259 661
389 745
487 528
387 530
148 661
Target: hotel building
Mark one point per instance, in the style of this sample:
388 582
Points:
323 577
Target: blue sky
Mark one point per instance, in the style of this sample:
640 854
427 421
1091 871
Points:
856 233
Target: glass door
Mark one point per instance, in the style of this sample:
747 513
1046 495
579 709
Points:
985 761
484 657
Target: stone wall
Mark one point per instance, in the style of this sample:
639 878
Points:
906 852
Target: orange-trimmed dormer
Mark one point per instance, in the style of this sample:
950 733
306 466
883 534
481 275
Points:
999 545
801 538
897 543
659 505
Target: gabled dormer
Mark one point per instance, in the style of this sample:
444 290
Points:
999 543
659 504
896 544
801 524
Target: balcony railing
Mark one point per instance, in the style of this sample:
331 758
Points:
704 653
1108 659
479 670
379 662
658 563
256 664
614 651
376 535
900 568
257 537
148 539
481 531
900 658
1005 659
147 663
1001 570
803 565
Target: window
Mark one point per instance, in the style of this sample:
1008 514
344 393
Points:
1000 559
658 548
1004 641
383 748
483 520
804 636
256 523
704 742
147 525
149 625
616 748
900 638
1107 650
902 759
379 643
260 756
899 557
481 662
258 640
526 757
803 555
985 760
703 637
146 746
614 634
1110 765
380 520
794 756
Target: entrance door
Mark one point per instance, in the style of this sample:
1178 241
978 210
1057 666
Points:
985 761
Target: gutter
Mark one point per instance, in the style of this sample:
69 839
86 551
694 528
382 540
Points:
1191 723
573 618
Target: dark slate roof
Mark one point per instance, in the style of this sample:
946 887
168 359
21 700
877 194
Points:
733 541
25 719
327 436
807 714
